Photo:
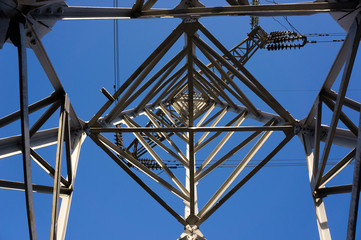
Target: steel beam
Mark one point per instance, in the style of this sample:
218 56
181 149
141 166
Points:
321 217
46 115
325 191
174 84
356 187
149 65
295 9
235 173
167 69
105 143
331 77
46 166
317 139
231 153
129 122
212 127
170 141
354 105
10 146
343 117
139 181
32 108
337 168
247 78
225 139
190 31
355 35
288 137
214 136
195 129
34 42
236 91
58 163
139 70
25 136
19 186
66 199
156 157
148 4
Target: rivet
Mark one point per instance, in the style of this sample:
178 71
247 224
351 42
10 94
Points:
33 42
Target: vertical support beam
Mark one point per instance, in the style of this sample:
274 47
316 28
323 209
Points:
321 217
59 155
66 200
25 135
317 136
190 31
356 187
322 222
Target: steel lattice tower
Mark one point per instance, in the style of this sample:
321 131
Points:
186 108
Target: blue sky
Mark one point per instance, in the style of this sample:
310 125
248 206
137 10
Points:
107 204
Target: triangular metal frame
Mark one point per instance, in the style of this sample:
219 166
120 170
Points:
68 136
313 132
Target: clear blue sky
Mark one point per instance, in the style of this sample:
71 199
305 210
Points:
107 204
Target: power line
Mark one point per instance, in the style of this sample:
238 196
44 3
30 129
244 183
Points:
325 34
286 18
253 163
280 23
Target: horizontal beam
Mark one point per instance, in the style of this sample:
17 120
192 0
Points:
343 137
32 108
354 105
195 129
323 192
307 8
11 146
36 188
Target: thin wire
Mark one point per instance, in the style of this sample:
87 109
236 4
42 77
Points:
325 34
289 23
301 90
293 27
327 41
253 164
280 23
297 162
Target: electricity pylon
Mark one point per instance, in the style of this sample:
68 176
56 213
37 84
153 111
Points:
184 110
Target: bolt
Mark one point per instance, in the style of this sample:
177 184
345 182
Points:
60 10
33 42
29 34
49 10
